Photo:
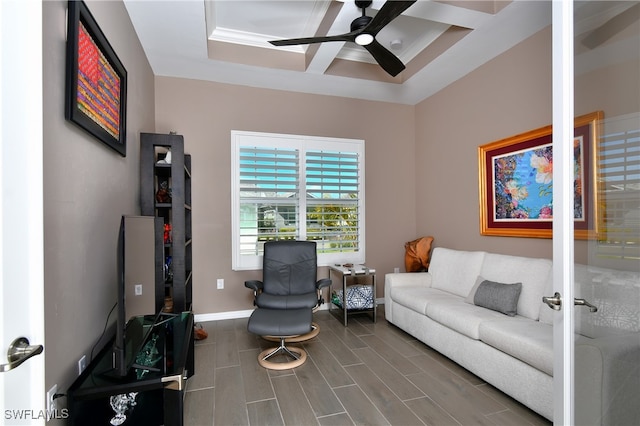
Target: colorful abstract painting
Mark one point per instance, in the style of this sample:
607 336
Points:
523 184
95 80
98 93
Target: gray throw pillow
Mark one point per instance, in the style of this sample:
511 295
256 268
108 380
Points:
495 296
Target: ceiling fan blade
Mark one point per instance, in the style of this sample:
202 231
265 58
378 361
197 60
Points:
387 60
387 13
310 40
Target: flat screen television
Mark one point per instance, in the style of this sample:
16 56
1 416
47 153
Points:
130 335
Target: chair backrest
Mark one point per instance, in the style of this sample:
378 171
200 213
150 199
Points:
289 267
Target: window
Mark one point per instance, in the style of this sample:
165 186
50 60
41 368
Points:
299 188
619 174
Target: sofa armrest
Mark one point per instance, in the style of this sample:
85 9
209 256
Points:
607 375
406 279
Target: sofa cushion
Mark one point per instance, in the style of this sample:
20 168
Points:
455 271
531 272
417 298
495 296
524 339
460 316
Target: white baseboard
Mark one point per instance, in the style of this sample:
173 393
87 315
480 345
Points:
219 316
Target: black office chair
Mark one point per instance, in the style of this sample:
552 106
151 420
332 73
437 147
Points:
289 279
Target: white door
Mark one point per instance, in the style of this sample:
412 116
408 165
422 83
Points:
22 393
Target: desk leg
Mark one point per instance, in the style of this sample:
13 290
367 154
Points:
373 278
344 299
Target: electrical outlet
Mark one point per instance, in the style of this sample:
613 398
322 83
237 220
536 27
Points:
138 289
82 364
220 283
52 406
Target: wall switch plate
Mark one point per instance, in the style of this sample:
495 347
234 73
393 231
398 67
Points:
82 364
220 283
51 402
138 289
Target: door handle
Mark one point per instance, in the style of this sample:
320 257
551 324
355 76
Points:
582 302
554 302
19 351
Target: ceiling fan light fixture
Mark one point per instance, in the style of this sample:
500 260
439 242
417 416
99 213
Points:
364 39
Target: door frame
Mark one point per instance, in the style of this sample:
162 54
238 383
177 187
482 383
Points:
563 193
21 207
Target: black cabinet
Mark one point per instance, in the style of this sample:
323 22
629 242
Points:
165 191
156 395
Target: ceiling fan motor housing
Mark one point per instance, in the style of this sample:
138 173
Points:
360 22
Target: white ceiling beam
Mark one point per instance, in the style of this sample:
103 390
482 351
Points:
325 55
448 14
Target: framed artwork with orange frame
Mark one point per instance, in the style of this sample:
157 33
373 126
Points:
516 182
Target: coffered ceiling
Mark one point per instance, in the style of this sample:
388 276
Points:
228 42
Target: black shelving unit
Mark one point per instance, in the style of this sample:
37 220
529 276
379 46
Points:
174 206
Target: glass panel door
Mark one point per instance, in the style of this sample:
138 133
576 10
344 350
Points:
606 273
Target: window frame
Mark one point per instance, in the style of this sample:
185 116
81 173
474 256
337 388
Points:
302 144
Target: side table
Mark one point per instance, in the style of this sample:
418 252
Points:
349 276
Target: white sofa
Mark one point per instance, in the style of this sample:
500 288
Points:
515 353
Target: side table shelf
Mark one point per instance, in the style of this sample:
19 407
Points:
353 282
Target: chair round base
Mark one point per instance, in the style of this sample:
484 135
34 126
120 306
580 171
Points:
263 359
315 329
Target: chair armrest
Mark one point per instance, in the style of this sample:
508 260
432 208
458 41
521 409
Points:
322 283
254 285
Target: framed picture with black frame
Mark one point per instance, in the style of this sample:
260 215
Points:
96 81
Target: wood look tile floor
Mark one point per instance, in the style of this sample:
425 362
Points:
363 374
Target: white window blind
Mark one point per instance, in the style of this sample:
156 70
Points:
332 180
299 188
619 176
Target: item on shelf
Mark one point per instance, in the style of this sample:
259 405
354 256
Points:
167 233
163 195
358 297
168 305
166 159
122 404
148 356
168 270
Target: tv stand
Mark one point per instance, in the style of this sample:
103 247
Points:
161 385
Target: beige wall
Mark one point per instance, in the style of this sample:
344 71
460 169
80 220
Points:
205 113
507 96
87 187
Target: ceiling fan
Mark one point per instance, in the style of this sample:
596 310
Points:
363 32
